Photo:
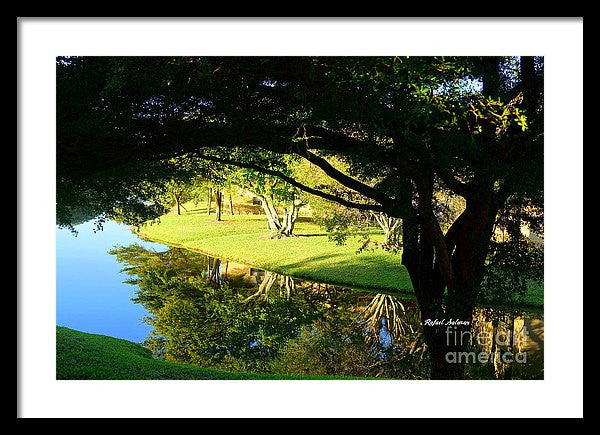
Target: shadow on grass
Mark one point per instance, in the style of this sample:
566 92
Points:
313 259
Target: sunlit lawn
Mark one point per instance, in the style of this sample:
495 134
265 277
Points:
311 255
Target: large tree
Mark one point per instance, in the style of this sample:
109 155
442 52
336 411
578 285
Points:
470 125
273 193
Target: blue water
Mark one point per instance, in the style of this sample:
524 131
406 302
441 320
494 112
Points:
90 293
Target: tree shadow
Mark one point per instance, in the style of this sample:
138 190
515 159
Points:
316 258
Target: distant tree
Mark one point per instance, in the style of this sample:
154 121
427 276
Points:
273 193
180 192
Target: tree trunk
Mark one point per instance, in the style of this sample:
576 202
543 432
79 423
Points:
230 205
273 222
280 226
177 198
466 242
289 219
209 200
391 227
178 202
218 203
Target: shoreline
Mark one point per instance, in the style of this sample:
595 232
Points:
533 306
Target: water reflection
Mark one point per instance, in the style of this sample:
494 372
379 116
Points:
513 342
217 313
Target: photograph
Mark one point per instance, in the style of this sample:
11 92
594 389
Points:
346 218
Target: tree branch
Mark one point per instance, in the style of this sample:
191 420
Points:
344 179
325 195
453 184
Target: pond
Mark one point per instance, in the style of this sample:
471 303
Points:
189 307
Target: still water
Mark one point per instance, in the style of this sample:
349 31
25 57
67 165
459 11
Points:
189 307
90 294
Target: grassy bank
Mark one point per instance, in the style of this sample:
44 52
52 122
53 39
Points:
311 255
80 355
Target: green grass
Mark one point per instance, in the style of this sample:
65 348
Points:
80 355
311 256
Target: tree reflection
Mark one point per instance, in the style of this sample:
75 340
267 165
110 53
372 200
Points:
216 313
512 343
394 323
198 322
